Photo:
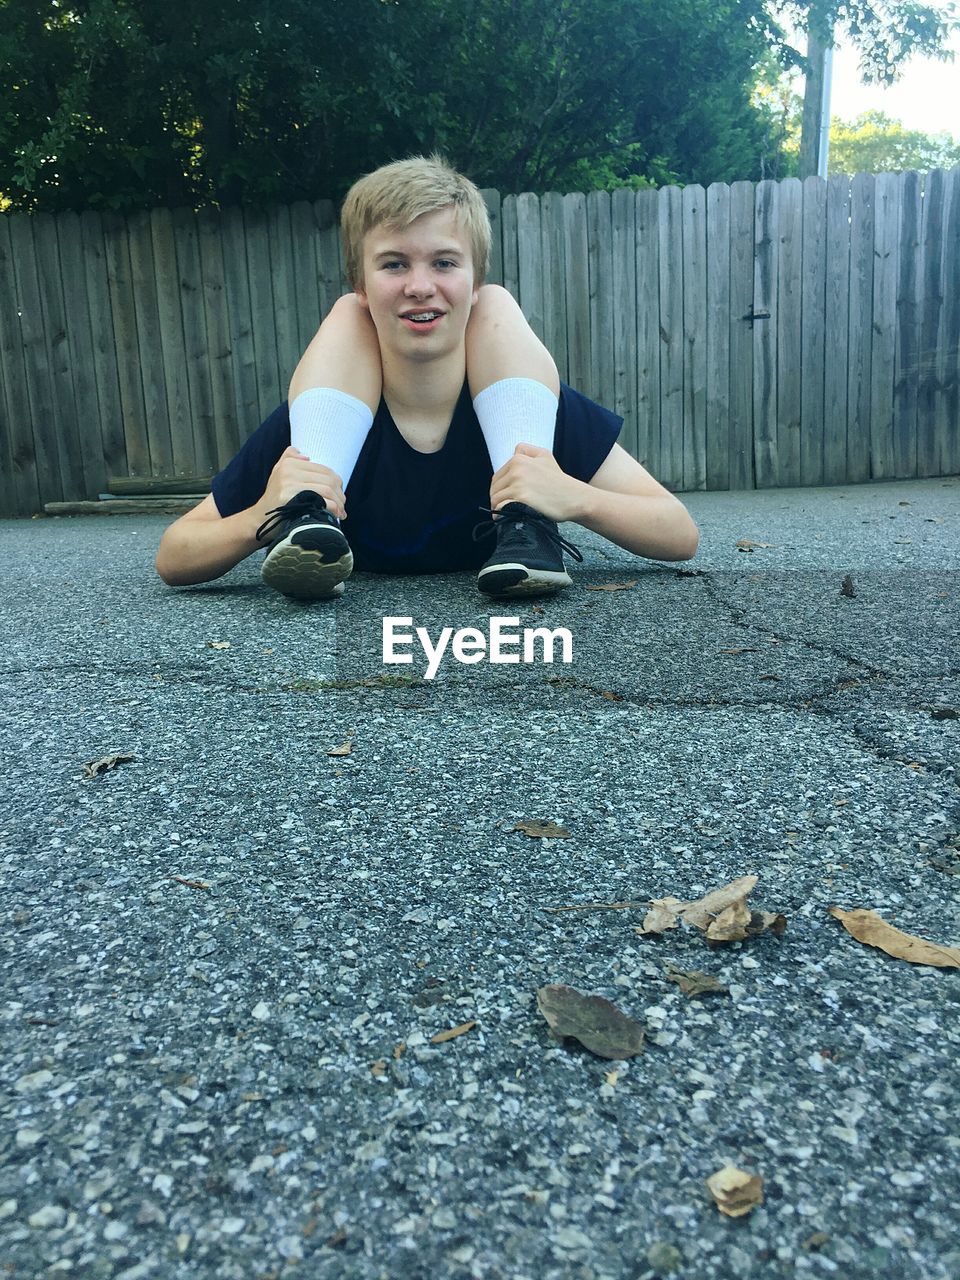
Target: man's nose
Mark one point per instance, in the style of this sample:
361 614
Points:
420 281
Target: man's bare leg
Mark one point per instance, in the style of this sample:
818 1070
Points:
515 387
333 397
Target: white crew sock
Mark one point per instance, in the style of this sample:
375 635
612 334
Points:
515 411
330 427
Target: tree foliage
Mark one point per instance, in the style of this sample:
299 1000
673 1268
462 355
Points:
885 32
117 104
874 143
120 104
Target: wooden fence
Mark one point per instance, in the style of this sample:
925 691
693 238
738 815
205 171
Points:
754 335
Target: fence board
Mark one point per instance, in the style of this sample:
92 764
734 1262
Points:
218 349
813 319
239 308
693 213
836 357
931 320
331 276
623 228
283 282
766 245
64 428
884 325
789 328
948 359
21 484
861 327
554 281
648 329
171 342
718 337
907 334
495 269
530 262
146 341
259 275
671 338
36 365
600 268
578 289
510 263
742 218
93 474
200 354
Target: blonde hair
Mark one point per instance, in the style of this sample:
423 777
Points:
394 195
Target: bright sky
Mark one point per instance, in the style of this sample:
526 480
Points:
926 97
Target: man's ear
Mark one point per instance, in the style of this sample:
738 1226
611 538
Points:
362 299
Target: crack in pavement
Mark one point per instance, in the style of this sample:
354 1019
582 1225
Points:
739 616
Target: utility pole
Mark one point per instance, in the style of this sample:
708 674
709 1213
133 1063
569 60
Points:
815 135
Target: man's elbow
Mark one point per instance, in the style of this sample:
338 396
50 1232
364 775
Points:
686 537
169 571
691 543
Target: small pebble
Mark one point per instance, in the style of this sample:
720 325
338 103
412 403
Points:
51 1215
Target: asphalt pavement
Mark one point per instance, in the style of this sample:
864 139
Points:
229 959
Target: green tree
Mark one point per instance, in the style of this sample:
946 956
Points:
117 104
885 32
875 143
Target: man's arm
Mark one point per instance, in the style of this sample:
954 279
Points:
622 502
203 545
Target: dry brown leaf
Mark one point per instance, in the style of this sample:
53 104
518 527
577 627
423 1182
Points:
218 644
695 983
744 544
703 911
452 1032
345 747
94 767
662 915
722 915
378 1068
594 1021
867 927
614 586
734 1191
541 829
191 884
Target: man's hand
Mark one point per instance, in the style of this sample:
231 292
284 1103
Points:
294 472
534 476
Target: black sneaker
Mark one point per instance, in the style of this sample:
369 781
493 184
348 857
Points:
529 555
308 557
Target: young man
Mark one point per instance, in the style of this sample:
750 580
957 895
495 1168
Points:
424 401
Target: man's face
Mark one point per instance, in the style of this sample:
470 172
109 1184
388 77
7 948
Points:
418 286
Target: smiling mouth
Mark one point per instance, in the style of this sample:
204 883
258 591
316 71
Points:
422 317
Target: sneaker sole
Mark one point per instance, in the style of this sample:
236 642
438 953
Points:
518 580
301 566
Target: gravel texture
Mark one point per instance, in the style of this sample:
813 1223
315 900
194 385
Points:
225 960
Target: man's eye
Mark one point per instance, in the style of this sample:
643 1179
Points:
445 263
389 266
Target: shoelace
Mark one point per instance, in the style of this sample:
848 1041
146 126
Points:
529 516
304 504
